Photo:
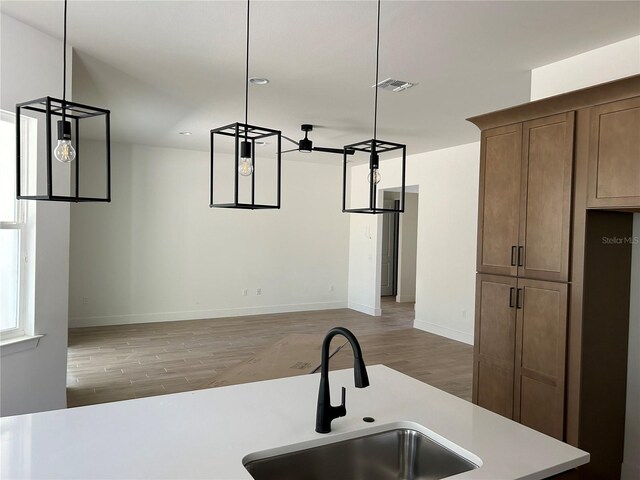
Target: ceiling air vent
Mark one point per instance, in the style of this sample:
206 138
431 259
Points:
394 85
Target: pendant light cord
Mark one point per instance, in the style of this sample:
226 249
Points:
246 78
64 62
375 107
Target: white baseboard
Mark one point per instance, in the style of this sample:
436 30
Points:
444 331
405 298
358 307
630 471
199 314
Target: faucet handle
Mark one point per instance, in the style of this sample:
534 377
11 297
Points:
344 398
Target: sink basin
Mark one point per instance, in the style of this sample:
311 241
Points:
400 453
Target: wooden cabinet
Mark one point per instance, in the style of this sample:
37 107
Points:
499 202
545 208
557 361
614 155
519 350
494 347
525 199
541 332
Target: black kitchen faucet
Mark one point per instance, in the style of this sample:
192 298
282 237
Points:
326 412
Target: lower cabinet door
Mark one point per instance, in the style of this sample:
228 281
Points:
540 348
494 346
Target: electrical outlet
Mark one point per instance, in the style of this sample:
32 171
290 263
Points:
258 291
245 292
464 314
85 300
331 288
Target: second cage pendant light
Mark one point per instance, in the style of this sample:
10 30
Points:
356 199
236 179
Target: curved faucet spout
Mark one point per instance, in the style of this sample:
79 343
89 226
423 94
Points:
326 412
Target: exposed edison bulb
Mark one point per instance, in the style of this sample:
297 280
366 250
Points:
376 177
246 167
64 151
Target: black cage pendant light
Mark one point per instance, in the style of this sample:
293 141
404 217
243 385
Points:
236 179
53 147
365 200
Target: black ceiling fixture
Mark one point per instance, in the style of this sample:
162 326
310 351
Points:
30 183
305 145
240 168
372 148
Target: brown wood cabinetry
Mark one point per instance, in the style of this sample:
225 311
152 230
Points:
494 349
499 203
541 327
614 155
553 284
525 199
545 208
519 352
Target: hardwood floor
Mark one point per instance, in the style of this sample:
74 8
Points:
121 362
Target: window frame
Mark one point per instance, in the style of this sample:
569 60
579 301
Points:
23 215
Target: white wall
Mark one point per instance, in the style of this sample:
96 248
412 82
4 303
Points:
608 63
446 252
158 252
35 380
611 62
408 250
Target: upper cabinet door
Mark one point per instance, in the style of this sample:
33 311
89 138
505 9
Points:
499 203
545 211
614 155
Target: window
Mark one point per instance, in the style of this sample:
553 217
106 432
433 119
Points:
14 233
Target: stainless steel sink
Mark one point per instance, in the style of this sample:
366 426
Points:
398 454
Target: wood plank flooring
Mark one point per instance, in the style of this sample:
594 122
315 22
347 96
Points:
122 362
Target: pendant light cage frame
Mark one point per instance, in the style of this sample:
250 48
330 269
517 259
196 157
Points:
245 137
373 148
70 114
50 109
242 132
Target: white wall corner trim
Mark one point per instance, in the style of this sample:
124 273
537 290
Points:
200 314
358 307
443 331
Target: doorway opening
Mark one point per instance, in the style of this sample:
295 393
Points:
398 250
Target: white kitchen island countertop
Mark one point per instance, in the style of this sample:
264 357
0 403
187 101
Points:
207 433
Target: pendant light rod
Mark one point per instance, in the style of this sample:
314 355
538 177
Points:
64 59
375 107
246 76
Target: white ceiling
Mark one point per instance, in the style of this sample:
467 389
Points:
169 66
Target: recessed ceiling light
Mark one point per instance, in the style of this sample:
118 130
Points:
259 81
184 133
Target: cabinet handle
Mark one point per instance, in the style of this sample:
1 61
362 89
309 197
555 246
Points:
520 256
511 292
519 298
514 252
